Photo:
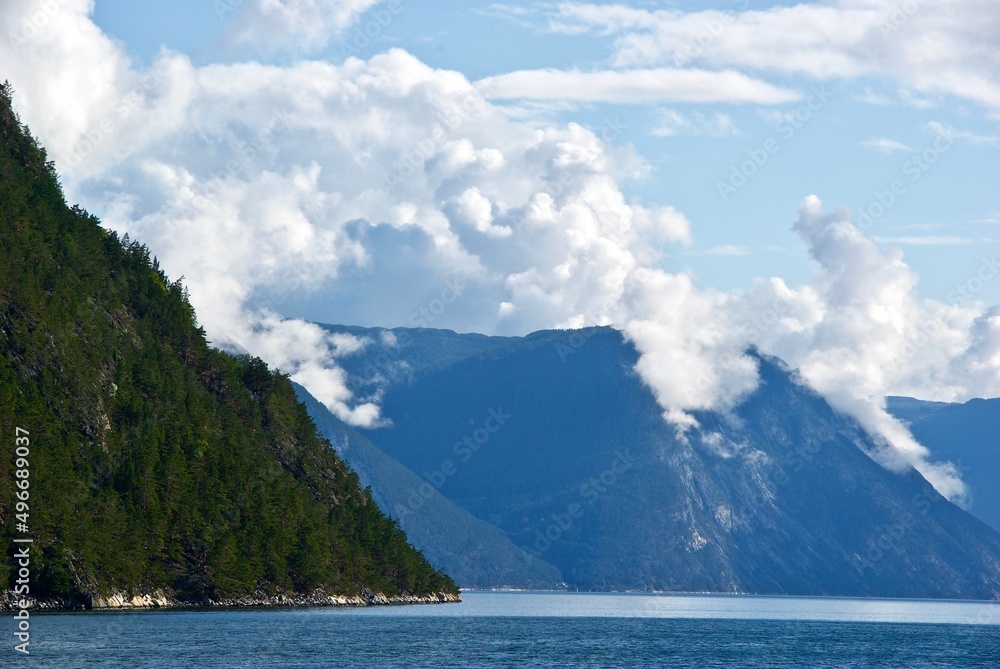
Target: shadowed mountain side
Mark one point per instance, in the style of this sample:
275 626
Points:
554 438
475 553
399 355
967 434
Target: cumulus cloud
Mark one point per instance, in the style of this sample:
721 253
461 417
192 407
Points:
858 332
866 335
980 364
267 185
385 191
691 347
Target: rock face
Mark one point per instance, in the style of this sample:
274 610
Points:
160 600
554 439
157 600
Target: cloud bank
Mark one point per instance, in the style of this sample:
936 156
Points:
384 191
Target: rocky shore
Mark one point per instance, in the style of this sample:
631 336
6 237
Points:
158 599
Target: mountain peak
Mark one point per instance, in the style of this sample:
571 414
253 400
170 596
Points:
776 496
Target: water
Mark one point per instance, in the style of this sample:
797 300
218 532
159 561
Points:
533 630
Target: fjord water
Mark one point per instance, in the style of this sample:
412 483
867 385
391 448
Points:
537 630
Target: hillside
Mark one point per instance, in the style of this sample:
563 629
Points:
967 434
157 463
475 553
554 439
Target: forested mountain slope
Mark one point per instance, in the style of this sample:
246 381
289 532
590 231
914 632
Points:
157 463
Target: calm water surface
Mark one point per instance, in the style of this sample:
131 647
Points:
533 630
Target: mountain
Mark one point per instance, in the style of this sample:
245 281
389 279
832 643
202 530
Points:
473 552
554 439
967 434
157 467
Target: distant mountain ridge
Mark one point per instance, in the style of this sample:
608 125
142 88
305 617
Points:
778 497
967 434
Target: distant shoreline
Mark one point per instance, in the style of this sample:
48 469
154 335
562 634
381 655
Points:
712 593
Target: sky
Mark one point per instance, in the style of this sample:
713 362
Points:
818 180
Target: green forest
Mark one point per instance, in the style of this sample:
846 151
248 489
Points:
157 461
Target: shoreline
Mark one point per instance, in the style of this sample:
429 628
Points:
159 600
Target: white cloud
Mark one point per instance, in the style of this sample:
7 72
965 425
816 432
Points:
671 122
951 133
266 185
308 354
858 333
870 336
637 86
299 24
386 191
691 348
926 48
885 145
980 364
475 210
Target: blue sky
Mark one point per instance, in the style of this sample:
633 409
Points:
817 179
945 222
